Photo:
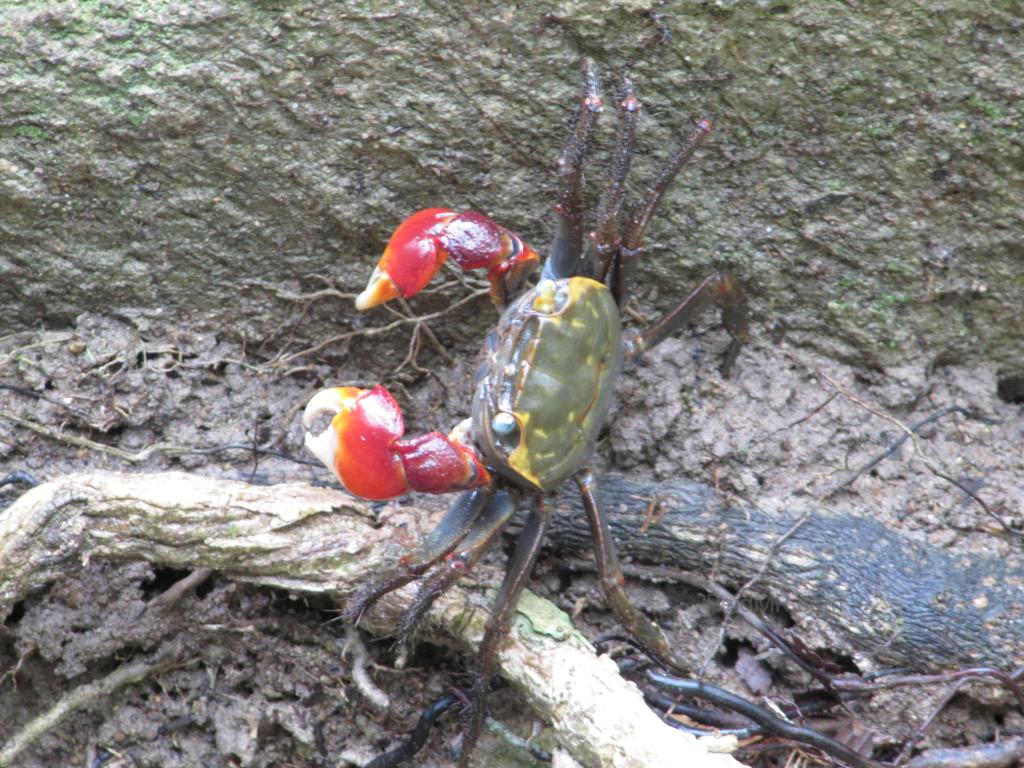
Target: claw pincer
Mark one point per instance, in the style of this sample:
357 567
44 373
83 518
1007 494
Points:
427 238
363 445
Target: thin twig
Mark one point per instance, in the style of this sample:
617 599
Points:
1007 680
26 392
931 465
83 442
895 445
806 417
355 648
919 734
143 455
428 331
14 353
965 677
178 590
284 359
82 696
730 608
1005 754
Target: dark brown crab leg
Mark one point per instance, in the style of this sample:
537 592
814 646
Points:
718 288
604 240
520 567
458 563
567 245
632 243
445 537
609 571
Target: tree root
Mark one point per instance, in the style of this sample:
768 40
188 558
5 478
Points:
878 594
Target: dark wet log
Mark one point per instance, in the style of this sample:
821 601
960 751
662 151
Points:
875 590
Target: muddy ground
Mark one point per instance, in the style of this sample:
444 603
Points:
268 683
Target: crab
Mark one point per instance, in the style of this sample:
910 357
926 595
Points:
543 390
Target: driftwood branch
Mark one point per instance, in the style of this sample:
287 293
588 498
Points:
318 540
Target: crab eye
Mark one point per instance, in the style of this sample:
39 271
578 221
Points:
503 424
505 431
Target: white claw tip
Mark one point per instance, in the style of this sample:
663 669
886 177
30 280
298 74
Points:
324 401
323 445
379 288
364 300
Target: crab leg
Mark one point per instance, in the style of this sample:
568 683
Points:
459 562
519 569
632 243
567 245
609 571
604 240
446 535
718 288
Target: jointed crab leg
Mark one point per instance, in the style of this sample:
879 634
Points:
567 245
444 538
609 572
520 567
604 240
457 564
640 218
633 241
718 288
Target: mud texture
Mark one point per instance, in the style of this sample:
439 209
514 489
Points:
761 438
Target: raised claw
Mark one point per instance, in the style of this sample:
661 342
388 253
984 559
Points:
427 238
411 258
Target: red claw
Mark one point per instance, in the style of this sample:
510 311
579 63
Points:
363 447
358 444
423 242
412 256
